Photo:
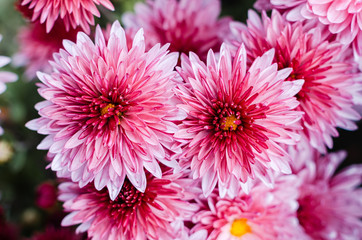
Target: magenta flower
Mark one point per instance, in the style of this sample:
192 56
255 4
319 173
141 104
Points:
46 195
8 231
57 234
330 204
237 116
341 17
37 46
73 12
330 89
188 25
109 110
264 214
132 214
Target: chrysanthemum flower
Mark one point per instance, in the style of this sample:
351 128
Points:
330 204
341 17
36 46
264 214
281 5
73 12
237 116
5 77
330 89
109 110
132 214
188 25
263 5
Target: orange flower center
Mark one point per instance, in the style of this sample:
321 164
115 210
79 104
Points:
230 123
240 227
105 109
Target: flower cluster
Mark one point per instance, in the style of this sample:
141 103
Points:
341 18
186 125
328 93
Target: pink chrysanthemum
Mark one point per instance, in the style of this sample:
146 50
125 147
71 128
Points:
281 5
188 25
263 5
342 18
132 214
109 110
73 12
330 205
264 214
5 77
37 46
237 116
330 89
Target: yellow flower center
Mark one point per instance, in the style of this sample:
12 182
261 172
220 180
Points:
105 109
240 227
229 122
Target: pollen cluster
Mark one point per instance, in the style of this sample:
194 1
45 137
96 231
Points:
240 227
